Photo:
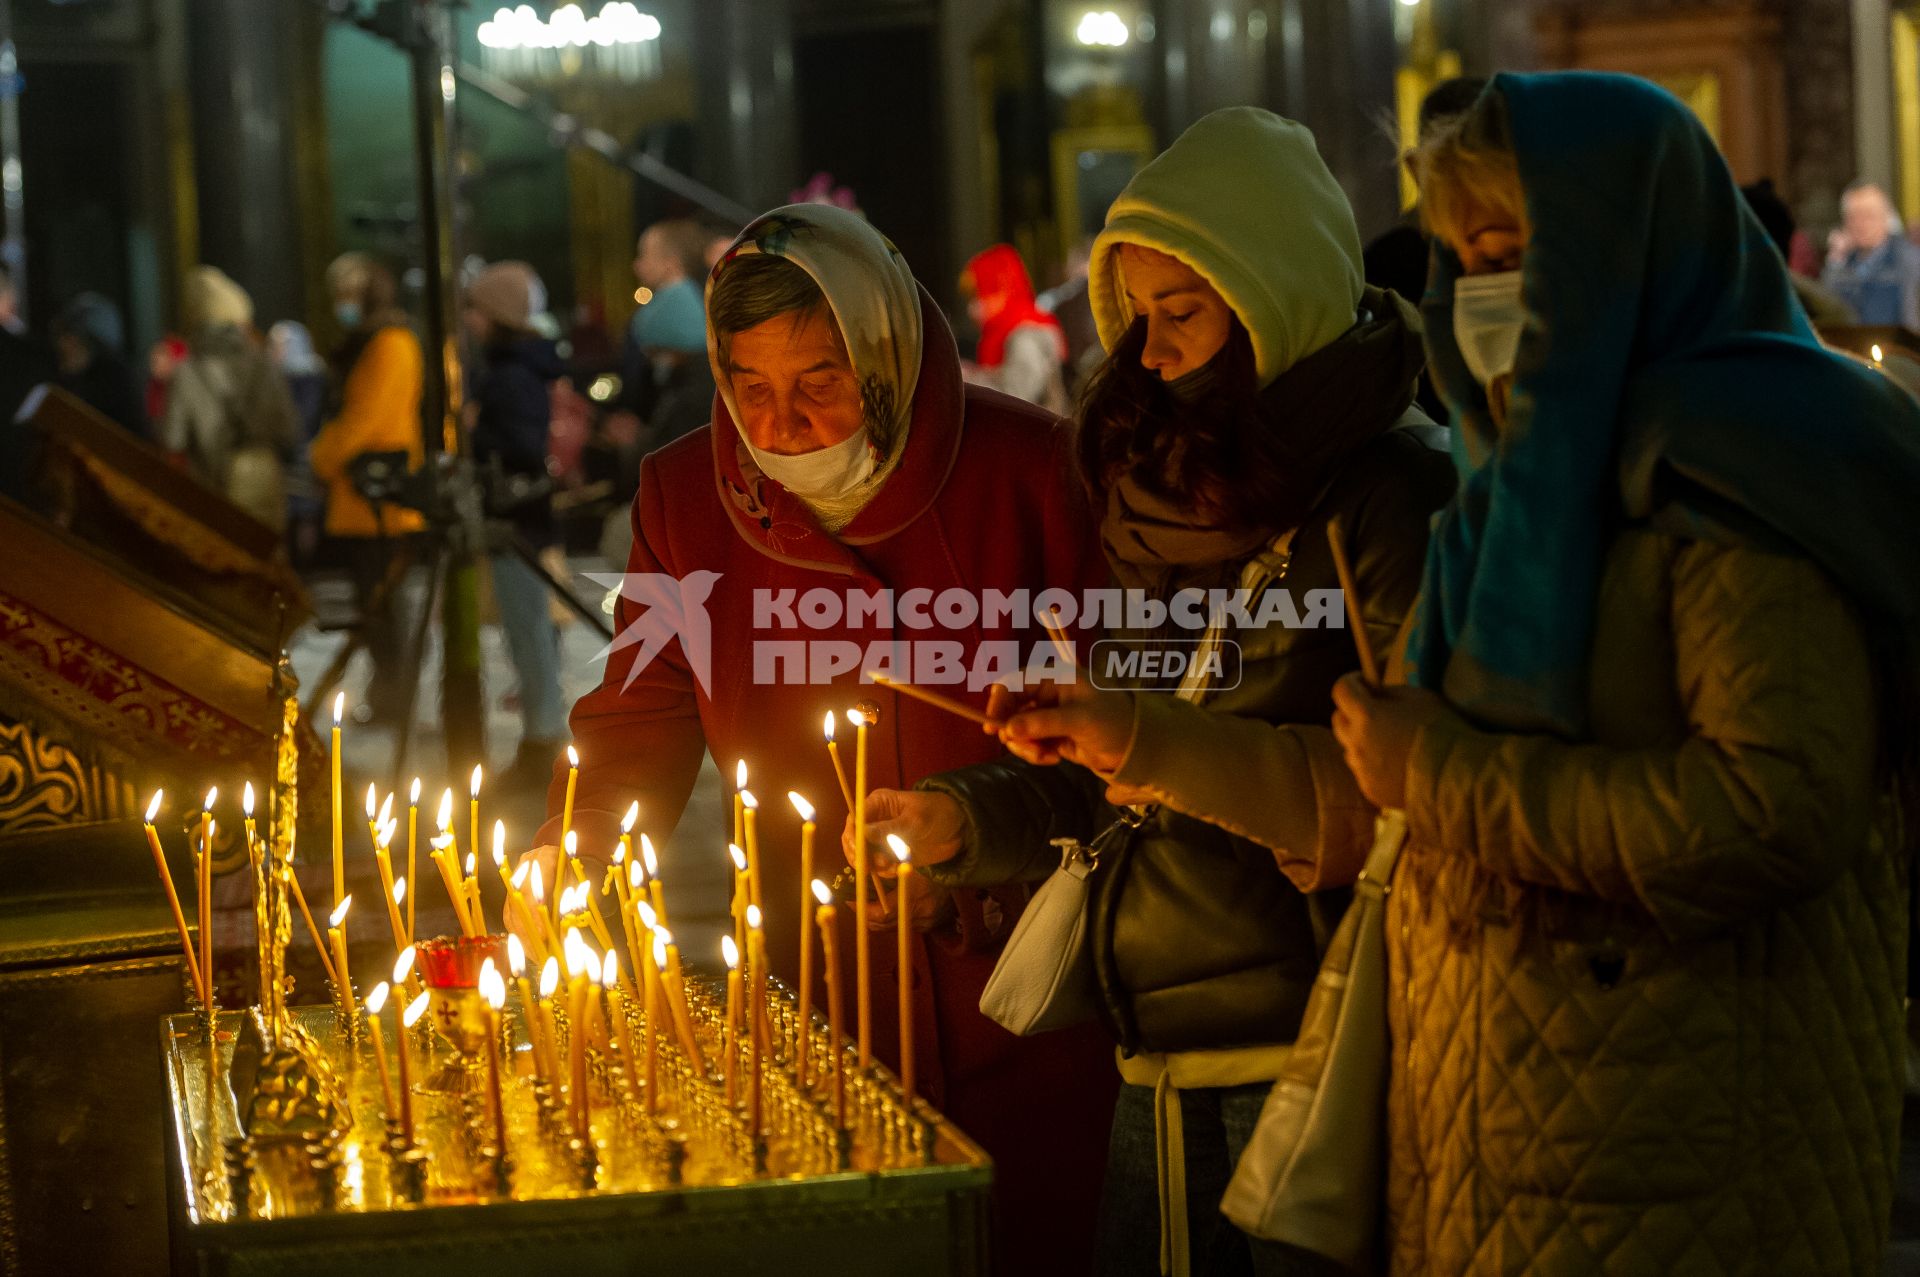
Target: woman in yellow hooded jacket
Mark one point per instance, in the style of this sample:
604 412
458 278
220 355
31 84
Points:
1254 391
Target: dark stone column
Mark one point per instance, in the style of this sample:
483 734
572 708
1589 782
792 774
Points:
243 81
743 58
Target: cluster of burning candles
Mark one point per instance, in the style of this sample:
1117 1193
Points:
549 924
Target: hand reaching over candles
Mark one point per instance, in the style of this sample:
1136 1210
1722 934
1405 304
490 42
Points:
930 822
1376 728
1066 722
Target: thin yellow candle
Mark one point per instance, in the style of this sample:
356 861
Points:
415 1009
622 1038
655 889
830 960
573 781
337 934
246 810
493 991
549 985
339 825
805 809
473 809
730 1035
577 964
839 768
395 900
739 804
517 964
528 912
173 901
656 951
476 908
863 988
757 1016
450 878
204 883
413 839
319 945
675 986
583 895
375 1002
752 806
742 891
373 807
904 855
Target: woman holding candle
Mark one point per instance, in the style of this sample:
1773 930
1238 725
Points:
877 470
1256 391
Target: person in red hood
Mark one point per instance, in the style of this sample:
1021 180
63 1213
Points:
846 455
1023 350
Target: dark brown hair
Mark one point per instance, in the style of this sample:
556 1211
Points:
1217 453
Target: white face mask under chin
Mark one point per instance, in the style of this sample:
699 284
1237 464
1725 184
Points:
825 474
1488 316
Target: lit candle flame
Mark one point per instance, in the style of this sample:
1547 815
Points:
632 818
403 965
571 843
373 800
400 890
413 794
753 917
856 718
442 840
636 876
340 911
1876 353
535 885
516 956
898 846
339 707
415 1009
444 817
740 774
739 857
610 970
660 949
828 723
386 809
666 937
387 830
153 808
648 918
499 842
486 969
573 756
619 854
246 800
579 957
549 977
822 893
473 786
378 998
729 952
473 864
493 989
801 805
646 854
748 801
211 795
520 875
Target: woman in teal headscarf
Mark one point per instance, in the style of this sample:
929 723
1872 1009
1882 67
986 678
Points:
1647 939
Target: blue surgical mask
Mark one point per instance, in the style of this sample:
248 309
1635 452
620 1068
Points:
347 314
1488 316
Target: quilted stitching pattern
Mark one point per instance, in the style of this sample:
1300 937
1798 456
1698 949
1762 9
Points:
1613 1093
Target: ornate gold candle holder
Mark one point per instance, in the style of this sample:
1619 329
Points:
450 969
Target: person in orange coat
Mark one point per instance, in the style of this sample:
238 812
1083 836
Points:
380 369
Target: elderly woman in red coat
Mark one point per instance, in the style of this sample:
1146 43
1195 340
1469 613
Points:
846 455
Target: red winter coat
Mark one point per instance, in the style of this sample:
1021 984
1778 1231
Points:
984 498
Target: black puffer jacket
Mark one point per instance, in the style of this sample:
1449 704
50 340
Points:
1200 941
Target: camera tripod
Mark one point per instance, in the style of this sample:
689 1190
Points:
455 526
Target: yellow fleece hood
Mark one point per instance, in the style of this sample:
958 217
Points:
1243 198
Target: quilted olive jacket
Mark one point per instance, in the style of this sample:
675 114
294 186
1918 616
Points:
1646 989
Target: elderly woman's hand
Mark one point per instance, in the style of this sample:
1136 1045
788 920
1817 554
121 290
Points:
1376 728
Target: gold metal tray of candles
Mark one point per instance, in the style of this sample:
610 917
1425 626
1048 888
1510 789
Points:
683 1188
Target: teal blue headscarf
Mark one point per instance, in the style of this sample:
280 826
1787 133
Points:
1666 375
